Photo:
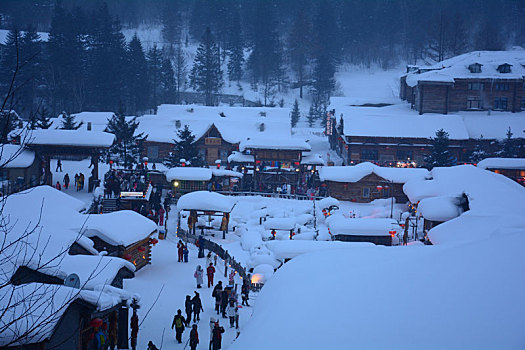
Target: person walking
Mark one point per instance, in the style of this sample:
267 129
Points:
224 301
66 181
188 306
405 234
134 329
180 250
199 276
217 336
161 213
185 253
212 326
57 186
59 166
208 259
178 323
245 292
197 306
231 278
231 312
194 337
210 271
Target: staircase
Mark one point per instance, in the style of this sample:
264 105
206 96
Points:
109 205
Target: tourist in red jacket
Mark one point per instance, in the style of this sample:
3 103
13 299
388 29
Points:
210 271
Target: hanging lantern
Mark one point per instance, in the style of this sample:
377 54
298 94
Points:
141 249
154 241
96 323
379 188
127 257
392 233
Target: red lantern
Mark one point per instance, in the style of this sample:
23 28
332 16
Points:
218 165
111 162
392 233
154 241
127 257
183 164
379 188
146 163
141 249
96 323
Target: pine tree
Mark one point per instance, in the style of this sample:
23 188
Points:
235 48
478 153
43 119
508 149
128 145
155 75
180 73
8 122
299 43
296 114
30 74
171 23
9 67
184 149
312 115
206 74
440 155
137 68
167 81
69 123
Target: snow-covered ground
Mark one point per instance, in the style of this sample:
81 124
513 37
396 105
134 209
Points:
170 281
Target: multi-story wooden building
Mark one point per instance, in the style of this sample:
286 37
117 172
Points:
480 80
513 168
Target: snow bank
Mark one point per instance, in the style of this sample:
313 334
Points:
290 249
468 302
327 202
204 200
362 227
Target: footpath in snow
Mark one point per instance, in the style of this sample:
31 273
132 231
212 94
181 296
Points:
170 282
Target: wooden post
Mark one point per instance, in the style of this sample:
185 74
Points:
47 171
94 160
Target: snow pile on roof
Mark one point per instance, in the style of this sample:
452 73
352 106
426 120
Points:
290 249
189 174
312 159
354 173
399 121
340 225
493 126
280 224
277 143
236 124
123 227
471 299
225 172
15 156
458 67
327 202
35 309
204 200
442 208
492 198
80 138
99 120
502 163
240 158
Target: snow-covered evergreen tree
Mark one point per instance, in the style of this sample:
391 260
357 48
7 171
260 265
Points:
180 72
296 114
137 68
478 153
43 119
312 115
128 145
235 48
508 146
440 155
167 81
184 149
206 74
69 122
155 75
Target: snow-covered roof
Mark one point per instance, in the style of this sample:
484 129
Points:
80 138
123 227
37 308
354 173
204 200
458 67
240 157
290 249
15 156
442 208
237 124
328 202
280 223
312 159
225 172
502 163
98 120
275 143
340 225
189 173
399 121
493 126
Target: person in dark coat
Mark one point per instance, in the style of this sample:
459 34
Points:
245 291
188 306
178 323
224 301
194 337
180 250
217 295
405 235
185 253
210 271
197 307
66 181
152 346
216 338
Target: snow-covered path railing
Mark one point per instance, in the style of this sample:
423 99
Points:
303 197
